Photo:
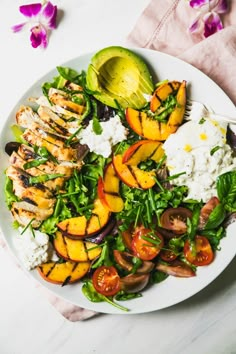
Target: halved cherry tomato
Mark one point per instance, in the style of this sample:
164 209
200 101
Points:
175 219
168 255
206 211
106 280
202 254
146 243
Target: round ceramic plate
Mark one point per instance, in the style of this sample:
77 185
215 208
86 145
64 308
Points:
172 290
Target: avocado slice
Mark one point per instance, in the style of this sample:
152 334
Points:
118 74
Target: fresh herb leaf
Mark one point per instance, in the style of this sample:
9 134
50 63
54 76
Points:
97 128
216 217
213 150
44 178
202 121
226 190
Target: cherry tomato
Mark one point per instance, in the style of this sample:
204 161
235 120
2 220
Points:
146 243
106 280
202 254
206 211
168 255
175 219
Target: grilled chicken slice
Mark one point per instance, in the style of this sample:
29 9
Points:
25 117
56 122
38 194
53 120
24 212
26 152
52 143
65 167
55 184
63 101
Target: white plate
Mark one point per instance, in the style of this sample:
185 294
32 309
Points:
173 290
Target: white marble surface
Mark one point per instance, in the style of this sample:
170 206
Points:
28 323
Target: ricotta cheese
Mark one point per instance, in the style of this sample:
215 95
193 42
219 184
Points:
198 150
113 132
33 249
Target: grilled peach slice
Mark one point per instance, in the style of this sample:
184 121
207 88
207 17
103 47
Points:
132 175
162 92
142 151
177 116
108 190
152 129
75 250
146 126
80 227
63 273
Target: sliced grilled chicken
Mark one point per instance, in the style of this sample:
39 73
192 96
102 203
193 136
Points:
63 113
51 143
56 122
26 152
38 194
26 117
53 120
24 212
55 184
65 167
64 101
74 87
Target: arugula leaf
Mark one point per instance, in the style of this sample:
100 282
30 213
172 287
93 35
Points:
44 178
104 258
192 225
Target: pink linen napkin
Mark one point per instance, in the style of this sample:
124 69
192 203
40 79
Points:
69 311
163 26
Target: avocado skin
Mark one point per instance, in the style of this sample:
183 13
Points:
118 74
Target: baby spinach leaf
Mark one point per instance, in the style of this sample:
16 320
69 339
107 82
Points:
226 190
216 217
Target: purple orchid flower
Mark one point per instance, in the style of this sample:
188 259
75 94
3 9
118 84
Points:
41 19
208 20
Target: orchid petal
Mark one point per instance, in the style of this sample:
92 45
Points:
194 27
221 7
196 4
18 28
212 25
38 36
30 10
50 14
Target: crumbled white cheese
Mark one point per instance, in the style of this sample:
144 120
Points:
113 132
33 249
199 149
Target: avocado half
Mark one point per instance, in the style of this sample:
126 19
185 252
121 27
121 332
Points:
117 74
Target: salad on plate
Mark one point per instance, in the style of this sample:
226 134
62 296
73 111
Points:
109 185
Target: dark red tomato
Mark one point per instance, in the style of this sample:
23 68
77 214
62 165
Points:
146 243
175 219
202 254
206 211
106 280
168 255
